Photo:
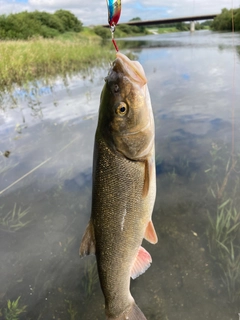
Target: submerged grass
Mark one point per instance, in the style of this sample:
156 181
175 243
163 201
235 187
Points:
13 310
71 310
23 61
14 220
224 219
90 278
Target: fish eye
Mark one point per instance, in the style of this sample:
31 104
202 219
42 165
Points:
121 109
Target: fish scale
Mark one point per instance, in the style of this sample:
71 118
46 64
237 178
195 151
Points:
121 181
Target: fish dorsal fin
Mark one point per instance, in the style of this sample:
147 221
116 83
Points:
141 263
150 233
88 241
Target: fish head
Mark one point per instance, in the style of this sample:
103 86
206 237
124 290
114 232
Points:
125 115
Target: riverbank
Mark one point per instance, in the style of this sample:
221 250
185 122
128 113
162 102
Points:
23 61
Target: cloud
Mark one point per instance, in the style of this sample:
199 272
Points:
95 11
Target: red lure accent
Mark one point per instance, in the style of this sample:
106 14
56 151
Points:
115 18
115 44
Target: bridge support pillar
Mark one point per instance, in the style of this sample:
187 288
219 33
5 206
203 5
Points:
192 26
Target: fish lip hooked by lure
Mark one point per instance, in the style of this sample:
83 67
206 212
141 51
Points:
131 68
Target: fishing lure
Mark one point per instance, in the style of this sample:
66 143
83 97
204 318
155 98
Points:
114 12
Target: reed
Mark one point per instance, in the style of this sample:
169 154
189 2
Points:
23 61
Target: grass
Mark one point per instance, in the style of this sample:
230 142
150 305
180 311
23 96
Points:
90 278
167 29
14 220
71 310
13 310
23 61
223 231
223 234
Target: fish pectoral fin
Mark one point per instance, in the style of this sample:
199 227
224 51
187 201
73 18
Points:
88 241
141 263
147 176
150 233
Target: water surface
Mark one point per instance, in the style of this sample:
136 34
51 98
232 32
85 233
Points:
47 133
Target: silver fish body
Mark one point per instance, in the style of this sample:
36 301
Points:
124 187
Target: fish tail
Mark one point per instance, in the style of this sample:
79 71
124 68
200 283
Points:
133 313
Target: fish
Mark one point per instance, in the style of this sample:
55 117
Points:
124 187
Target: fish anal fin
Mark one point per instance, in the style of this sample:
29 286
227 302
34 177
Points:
88 241
150 233
141 263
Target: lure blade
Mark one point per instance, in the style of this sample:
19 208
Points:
114 11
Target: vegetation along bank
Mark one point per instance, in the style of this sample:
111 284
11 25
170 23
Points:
40 44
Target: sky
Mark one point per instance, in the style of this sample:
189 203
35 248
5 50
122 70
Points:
93 12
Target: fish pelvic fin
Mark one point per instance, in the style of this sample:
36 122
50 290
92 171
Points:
132 313
88 241
150 233
141 263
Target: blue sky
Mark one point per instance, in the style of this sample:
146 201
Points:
95 11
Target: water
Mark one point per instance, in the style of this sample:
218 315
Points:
45 185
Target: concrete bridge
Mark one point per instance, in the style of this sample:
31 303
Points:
191 19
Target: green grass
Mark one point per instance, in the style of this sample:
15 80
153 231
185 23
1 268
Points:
23 61
223 231
167 29
71 310
90 278
13 310
14 220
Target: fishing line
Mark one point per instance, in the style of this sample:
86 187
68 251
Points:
233 87
233 164
37 167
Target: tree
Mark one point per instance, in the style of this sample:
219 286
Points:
102 32
224 20
136 19
25 24
69 20
48 19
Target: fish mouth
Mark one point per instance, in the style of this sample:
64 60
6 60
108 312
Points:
132 68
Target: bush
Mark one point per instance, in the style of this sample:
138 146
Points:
223 22
182 26
104 33
49 20
25 24
69 21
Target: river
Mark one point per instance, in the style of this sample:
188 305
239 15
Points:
47 132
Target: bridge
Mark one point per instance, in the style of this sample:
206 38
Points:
192 19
